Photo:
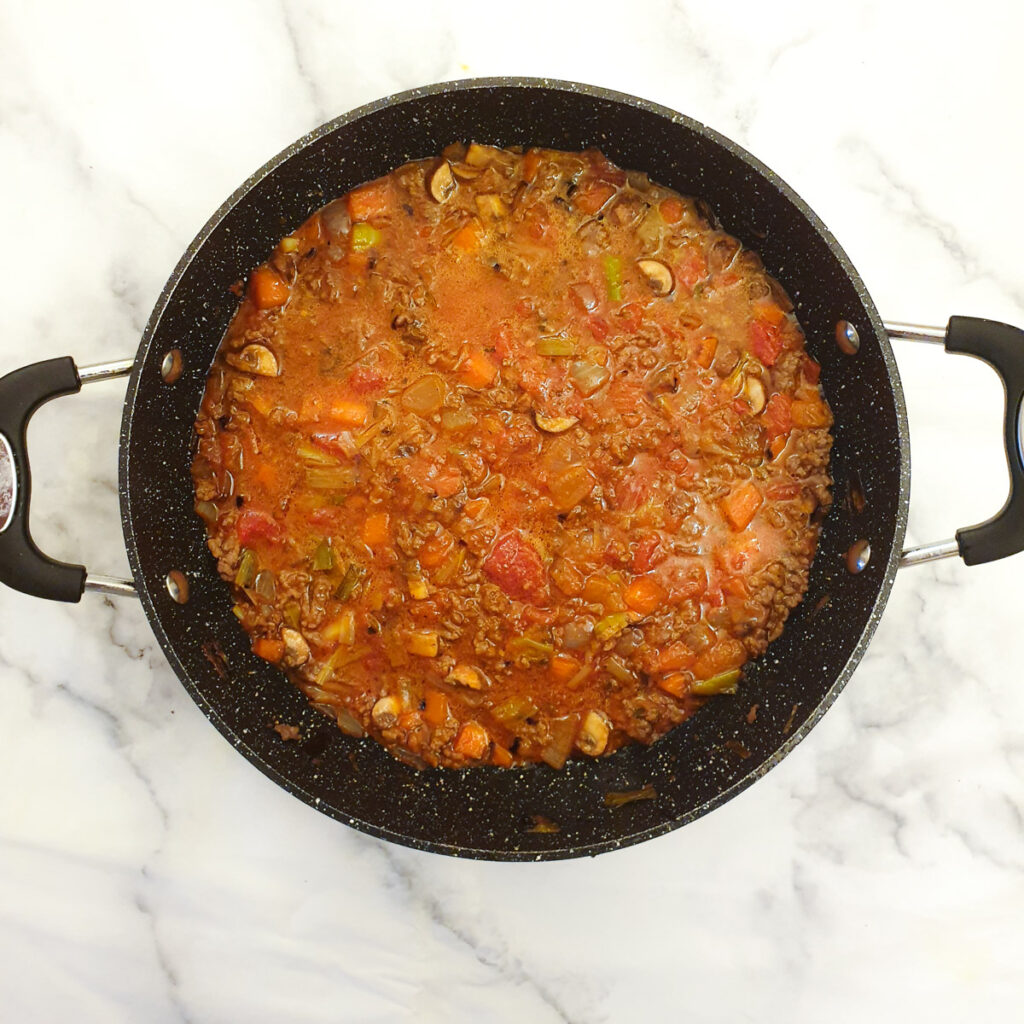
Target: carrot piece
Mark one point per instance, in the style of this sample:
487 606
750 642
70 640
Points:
530 164
704 354
778 415
725 655
810 413
501 757
472 741
590 199
475 507
777 446
675 657
676 684
644 595
369 201
467 238
376 530
267 289
349 412
268 648
563 668
436 711
741 505
435 550
770 312
477 369
671 210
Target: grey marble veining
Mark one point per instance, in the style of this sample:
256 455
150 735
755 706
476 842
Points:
149 873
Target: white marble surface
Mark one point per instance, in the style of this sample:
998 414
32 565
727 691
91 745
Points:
148 873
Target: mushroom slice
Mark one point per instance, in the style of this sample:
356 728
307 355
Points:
466 675
753 391
657 275
386 711
256 359
296 650
441 184
555 424
593 737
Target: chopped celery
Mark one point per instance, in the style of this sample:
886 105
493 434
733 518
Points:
330 478
610 626
349 582
323 557
310 453
247 566
530 650
555 346
613 277
724 682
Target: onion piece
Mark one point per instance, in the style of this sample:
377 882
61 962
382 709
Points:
425 396
588 377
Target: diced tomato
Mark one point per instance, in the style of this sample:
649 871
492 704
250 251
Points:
693 267
765 341
637 484
812 370
683 578
445 481
778 416
515 566
599 328
671 210
589 198
725 655
676 657
648 554
630 316
254 526
783 492
365 379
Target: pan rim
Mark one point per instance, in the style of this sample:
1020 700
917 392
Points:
447 848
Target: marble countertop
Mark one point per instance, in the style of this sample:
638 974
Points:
149 873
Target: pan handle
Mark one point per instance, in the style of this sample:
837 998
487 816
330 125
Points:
1002 347
22 565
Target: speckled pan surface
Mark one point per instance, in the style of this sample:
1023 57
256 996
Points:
486 812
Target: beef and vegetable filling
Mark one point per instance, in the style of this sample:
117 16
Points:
509 456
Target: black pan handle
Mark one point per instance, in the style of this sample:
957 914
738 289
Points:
1002 347
22 565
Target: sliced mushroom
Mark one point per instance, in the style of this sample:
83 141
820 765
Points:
296 650
555 424
491 205
441 184
753 391
386 711
657 275
593 737
466 675
256 359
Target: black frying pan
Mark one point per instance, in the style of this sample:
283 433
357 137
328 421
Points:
489 812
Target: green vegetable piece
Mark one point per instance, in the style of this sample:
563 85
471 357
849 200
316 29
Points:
610 626
330 478
323 557
364 236
310 453
349 582
613 277
724 682
531 650
247 566
555 346
292 615
613 799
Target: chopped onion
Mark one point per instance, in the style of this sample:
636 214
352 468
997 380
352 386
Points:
425 396
588 377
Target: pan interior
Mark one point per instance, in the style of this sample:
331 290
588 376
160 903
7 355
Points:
485 812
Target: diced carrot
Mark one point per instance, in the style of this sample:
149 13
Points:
268 648
810 413
725 655
676 684
675 657
501 757
369 201
436 711
704 353
648 553
740 505
563 668
644 595
671 210
472 741
475 507
350 412
590 198
530 164
476 369
435 550
777 446
601 590
467 238
770 312
267 289
445 481
376 530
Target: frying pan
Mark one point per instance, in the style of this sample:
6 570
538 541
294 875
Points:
485 812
